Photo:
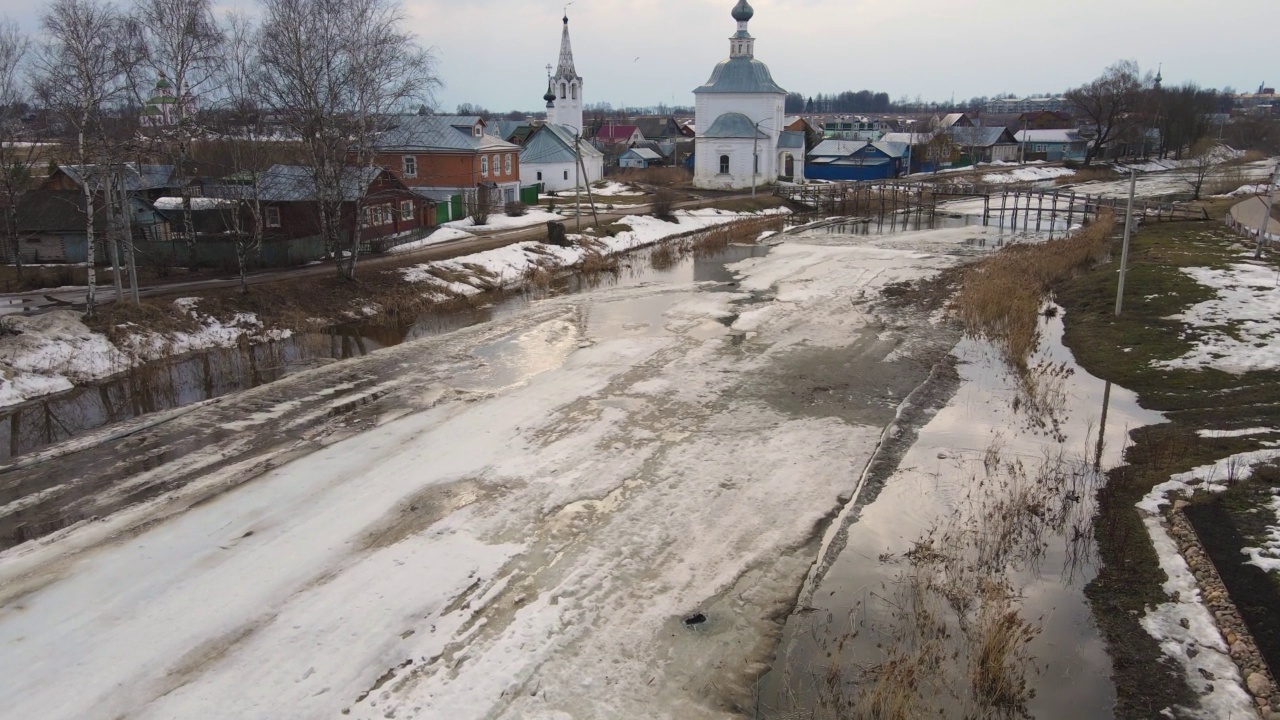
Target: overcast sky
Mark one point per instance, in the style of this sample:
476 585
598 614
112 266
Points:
641 52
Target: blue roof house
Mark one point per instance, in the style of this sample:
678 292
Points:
856 160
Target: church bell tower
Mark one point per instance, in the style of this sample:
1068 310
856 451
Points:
566 87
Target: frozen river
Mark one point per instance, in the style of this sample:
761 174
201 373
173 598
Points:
601 505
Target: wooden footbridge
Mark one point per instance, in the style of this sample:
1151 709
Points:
1012 207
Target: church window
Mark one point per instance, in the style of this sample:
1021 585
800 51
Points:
724 164
562 91
566 174
573 91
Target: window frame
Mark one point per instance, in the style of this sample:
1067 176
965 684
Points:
409 161
271 216
484 166
406 210
507 163
725 164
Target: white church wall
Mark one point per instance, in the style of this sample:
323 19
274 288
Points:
557 177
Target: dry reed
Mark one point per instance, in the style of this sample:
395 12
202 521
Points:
1001 295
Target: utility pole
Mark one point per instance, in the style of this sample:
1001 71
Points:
1024 140
587 176
1128 228
1268 203
577 178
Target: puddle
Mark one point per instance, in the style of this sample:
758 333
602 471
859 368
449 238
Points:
984 523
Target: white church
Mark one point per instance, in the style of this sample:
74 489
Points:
741 140
547 155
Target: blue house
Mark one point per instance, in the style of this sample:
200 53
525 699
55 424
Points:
1053 144
639 158
857 160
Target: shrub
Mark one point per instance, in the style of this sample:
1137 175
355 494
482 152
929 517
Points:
663 203
517 209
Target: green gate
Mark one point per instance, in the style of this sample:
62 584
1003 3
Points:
529 194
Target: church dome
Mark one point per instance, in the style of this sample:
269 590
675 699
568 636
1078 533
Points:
741 75
551 94
743 12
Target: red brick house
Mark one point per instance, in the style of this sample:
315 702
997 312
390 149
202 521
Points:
437 156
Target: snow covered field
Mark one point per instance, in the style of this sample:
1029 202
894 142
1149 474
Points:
522 540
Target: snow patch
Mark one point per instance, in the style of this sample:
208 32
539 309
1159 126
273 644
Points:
1248 304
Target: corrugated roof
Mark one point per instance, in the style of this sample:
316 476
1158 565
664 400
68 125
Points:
644 153
1048 136
136 177
439 132
837 148
906 137
733 125
980 136
616 132
791 139
741 75
552 143
296 183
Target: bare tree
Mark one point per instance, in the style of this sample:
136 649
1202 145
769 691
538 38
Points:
179 42
1205 159
78 71
335 71
16 156
250 154
1106 103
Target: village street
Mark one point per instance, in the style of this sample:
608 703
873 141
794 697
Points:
514 520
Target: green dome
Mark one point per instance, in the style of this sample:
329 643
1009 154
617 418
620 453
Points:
743 12
162 84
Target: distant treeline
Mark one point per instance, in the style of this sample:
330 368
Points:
862 101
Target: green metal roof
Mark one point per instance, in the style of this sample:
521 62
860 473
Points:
741 75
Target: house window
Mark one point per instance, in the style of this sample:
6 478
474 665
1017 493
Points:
406 210
484 166
477 131
410 166
507 164
724 164
566 177
272 216
539 176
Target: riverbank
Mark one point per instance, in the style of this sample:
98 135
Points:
1196 342
56 351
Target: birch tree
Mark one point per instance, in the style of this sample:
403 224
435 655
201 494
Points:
78 71
336 71
16 156
249 152
180 42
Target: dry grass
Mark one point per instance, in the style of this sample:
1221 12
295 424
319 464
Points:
43 276
660 176
1089 174
662 257
1001 295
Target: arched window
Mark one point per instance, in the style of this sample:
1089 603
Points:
562 90
724 164
539 176
573 91
566 174
788 165
484 166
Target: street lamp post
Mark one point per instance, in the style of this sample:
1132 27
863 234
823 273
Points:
755 155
